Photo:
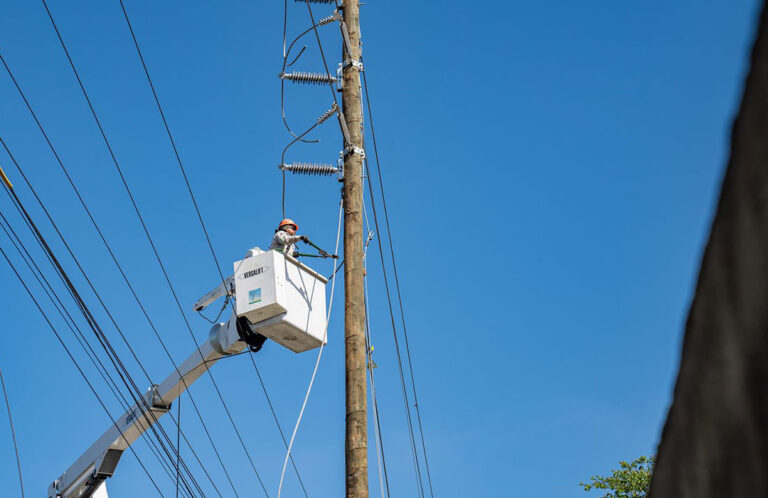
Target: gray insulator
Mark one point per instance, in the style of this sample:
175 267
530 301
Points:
310 168
327 20
308 78
327 114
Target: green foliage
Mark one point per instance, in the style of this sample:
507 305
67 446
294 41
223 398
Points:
632 480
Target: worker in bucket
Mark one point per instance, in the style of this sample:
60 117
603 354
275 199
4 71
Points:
285 238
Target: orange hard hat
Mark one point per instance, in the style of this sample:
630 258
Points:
288 221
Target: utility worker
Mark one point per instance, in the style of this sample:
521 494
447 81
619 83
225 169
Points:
285 238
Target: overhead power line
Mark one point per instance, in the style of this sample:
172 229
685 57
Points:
134 391
397 280
416 459
79 266
77 366
151 242
13 433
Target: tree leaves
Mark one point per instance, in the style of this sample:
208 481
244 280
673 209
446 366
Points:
632 480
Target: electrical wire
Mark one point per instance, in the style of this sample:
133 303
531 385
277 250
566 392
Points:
109 249
136 394
298 138
114 259
13 433
397 279
72 325
178 443
77 366
406 404
277 422
151 242
380 458
319 355
173 142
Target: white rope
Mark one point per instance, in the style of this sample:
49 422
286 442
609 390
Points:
319 355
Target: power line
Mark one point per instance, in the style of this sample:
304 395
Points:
397 280
406 404
71 324
114 259
13 433
74 362
133 390
170 138
82 270
151 242
277 422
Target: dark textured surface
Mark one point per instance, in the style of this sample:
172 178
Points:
715 440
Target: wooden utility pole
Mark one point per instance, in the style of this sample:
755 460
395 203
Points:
356 442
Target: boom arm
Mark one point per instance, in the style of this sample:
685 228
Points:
275 297
86 476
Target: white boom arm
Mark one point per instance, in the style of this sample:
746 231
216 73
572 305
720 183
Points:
276 297
86 476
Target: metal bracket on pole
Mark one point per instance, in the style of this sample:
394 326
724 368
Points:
349 149
357 64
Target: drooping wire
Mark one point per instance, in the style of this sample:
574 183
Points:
13 433
277 422
286 52
319 354
397 279
380 457
154 248
178 443
406 404
173 142
112 255
77 366
133 390
72 325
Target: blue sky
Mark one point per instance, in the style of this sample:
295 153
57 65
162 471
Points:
551 172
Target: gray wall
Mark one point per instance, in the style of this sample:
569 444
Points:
715 440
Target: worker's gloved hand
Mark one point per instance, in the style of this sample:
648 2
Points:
304 238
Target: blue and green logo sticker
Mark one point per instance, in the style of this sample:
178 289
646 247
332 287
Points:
254 296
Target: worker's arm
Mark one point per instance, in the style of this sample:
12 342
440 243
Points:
286 239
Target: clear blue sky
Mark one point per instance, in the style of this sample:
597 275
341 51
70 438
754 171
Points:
551 167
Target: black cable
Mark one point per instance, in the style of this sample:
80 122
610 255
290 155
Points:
374 398
173 142
397 280
397 341
178 444
71 324
13 433
74 362
322 53
134 391
114 259
299 138
277 422
149 238
96 293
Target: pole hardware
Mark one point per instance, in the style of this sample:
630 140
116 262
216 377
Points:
318 169
308 78
354 150
353 63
